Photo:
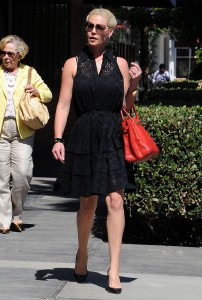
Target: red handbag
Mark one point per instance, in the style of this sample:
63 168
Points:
138 144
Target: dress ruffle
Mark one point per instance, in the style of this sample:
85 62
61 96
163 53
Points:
94 161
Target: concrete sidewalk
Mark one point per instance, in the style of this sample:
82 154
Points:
38 263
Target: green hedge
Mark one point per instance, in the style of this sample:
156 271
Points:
177 93
170 184
186 84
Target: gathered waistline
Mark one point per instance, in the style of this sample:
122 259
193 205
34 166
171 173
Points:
100 112
8 118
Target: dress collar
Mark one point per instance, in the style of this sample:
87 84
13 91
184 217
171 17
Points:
86 54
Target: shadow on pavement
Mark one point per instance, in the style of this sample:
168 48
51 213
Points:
66 274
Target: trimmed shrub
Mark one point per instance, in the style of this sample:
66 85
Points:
170 184
167 205
177 93
186 84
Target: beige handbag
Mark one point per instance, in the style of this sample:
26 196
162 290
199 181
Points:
33 113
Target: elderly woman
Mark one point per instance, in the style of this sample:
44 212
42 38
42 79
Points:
16 139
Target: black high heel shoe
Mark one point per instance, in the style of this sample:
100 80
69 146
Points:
80 278
111 289
114 290
17 227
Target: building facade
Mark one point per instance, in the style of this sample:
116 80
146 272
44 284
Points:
53 30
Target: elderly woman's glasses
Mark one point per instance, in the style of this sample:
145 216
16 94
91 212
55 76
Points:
99 28
10 54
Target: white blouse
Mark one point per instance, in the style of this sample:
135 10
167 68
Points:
10 84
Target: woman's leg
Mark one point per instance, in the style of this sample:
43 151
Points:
5 193
85 218
21 172
115 228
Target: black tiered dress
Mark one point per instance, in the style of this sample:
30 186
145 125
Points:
94 159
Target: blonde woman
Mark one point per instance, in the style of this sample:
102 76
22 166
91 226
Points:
16 139
98 84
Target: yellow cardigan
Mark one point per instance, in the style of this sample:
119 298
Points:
21 81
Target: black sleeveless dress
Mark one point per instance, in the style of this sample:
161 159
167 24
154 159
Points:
94 158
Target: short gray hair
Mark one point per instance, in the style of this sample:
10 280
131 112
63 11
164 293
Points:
22 47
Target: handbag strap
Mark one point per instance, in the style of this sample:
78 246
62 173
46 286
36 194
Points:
29 75
128 114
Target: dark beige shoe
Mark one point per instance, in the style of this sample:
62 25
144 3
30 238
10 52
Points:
4 230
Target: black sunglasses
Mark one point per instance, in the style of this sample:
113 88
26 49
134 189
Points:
10 54
90 26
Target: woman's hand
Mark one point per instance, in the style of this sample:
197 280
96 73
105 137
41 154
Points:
58 152
32 90
135 71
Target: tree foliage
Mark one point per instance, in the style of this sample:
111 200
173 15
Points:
182 22
185 22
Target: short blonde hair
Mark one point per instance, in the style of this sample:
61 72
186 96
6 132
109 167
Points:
111 19
22 47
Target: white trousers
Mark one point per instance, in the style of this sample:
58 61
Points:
16 168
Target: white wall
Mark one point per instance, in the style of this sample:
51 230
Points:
172 59
165 53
